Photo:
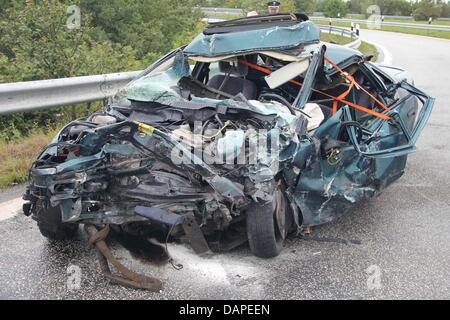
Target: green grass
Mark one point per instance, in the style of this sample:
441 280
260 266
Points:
421 32
17 156
334 38
365 48
436 22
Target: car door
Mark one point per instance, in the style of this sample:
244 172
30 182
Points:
348 160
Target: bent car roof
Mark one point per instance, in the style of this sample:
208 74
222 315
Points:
342 56
267 33
254 23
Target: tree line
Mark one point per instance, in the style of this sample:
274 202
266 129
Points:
420 10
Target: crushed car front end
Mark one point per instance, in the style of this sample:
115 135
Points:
113 170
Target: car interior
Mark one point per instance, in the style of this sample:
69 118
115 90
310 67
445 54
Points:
228 78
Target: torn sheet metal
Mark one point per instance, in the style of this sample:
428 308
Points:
279 38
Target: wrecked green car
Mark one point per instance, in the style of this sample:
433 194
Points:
254 130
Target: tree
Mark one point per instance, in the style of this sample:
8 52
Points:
36 44
445 10
334 8
149 26
288 6
254 5
402 8
386 7
354 6
426 9
306 6
4 4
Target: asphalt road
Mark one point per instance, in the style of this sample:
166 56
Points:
400 238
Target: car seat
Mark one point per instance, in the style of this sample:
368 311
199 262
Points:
233 80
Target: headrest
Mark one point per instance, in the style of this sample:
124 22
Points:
234 68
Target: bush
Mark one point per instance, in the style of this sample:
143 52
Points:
426 9
334 8
117 35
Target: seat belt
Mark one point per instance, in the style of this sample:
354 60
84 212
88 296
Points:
352 80
336 99
342 96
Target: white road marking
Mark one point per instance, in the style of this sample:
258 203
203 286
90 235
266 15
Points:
10 208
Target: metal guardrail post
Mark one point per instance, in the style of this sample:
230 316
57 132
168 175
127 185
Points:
429 23
355 41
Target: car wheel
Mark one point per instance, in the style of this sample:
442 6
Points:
267 225
51 227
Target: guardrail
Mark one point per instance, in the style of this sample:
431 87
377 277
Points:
43 94
227 11
344 33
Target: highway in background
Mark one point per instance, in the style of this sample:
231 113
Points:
401 238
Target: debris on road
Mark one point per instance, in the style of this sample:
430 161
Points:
128 278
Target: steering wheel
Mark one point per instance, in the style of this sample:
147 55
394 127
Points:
276 97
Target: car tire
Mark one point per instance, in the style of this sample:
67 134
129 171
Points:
51 227
263 233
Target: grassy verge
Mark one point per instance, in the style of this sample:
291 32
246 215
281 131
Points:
435 22
334 38
365 48
17 156
420 32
